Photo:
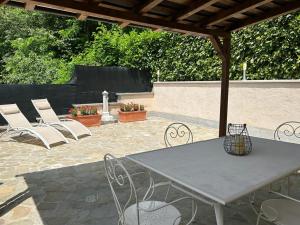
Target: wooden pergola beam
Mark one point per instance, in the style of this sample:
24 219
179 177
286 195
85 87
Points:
288 8
195 7
147 6
231 12
217 44
3 2
142 9
223 50
121 16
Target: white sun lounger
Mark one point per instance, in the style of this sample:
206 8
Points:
17 123
49 117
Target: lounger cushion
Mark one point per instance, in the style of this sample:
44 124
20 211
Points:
10 109
49 134
77 128
43 105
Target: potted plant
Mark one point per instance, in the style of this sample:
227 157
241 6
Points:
87 115
132 112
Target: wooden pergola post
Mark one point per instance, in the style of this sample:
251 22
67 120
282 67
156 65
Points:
223 49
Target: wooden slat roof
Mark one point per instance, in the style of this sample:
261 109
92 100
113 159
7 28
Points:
204 17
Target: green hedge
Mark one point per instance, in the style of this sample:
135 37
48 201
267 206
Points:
46 50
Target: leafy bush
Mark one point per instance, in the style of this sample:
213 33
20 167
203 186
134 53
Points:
83 111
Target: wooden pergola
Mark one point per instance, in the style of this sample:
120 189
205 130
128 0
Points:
215 19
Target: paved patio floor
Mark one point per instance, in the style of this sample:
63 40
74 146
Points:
67 185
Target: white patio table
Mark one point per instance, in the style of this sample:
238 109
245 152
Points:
218 178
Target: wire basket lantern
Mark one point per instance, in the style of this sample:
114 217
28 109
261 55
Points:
237 141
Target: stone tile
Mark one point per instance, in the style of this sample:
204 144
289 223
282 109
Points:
6 191
22 222
20 212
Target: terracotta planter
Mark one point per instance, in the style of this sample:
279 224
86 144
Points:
132 116
87 120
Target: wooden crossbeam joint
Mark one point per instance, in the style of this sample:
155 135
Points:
29 5
124 24
82 17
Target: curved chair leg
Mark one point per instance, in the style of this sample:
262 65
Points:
288 185
193 210
258 218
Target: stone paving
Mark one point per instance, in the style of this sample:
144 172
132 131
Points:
67 186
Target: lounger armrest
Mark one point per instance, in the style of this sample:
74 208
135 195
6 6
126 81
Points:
39 120
66 119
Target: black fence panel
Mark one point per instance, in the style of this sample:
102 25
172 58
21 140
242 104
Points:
93 96
91 81
60 97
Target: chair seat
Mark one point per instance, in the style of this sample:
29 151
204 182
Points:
288 211
163 216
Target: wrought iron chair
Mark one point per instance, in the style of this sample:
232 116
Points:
178 131
290 132
283 211
133 211
286 210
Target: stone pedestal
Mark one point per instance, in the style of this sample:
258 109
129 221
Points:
106 117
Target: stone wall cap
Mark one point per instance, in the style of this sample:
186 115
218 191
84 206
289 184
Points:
95 104
231 81
134 93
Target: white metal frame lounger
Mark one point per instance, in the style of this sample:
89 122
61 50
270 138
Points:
17 123
49 117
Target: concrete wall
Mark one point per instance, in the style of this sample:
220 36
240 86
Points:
263 104
260 104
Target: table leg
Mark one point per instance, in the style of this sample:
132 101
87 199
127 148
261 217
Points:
219 214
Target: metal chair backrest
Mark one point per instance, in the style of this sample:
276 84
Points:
122 186
178 131
288 131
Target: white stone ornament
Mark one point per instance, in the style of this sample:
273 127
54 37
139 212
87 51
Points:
105 111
